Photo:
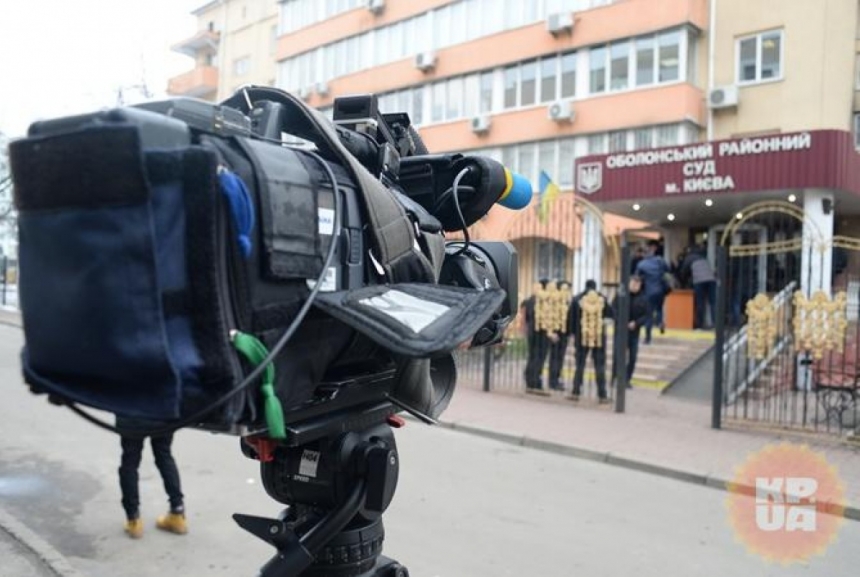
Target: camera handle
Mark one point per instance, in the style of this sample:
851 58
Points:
345 540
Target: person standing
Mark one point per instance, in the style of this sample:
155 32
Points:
697 268
537 340
652 269
636 319
559 340
131 431
586 322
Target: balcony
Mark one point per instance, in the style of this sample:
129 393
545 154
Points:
201 82
205 40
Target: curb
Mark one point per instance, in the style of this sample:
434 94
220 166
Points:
706 480
49 556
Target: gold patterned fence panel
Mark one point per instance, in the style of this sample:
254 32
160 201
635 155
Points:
591 318
820 322
761 326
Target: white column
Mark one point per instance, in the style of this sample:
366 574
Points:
817 260
816 264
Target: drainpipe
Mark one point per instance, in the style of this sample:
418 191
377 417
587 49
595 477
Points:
712 32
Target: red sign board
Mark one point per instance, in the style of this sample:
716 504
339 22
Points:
814 159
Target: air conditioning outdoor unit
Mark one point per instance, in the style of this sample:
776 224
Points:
425 61
560 23
723 97
376 6
305 92
322 88
560 111
480 124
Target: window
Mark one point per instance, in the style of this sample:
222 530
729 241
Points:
548 79
760 57
618 141
546 158
644 61
643 138
620 57
273 39
242 66
667 135
511 87
552 260
568 75
486 104
526 161
528 84
418 106
455 99
472 92
597 59
857 130
596 143
437 100
565 162
670 56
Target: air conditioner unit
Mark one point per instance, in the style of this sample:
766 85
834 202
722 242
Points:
560 111
425 61
305 92
560 23
480 124
376 6
322 88
723 97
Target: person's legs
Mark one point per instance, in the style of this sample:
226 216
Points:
128 484
711 296
543 345
599 355
632 353
530 376
699 291
659 301
556 362
128 476
581 355
174 521
653 302
169 473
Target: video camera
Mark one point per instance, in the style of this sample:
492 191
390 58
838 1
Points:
256 269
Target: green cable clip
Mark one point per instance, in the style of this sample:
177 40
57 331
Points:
255 351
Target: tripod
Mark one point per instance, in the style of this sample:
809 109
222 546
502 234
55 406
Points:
336 487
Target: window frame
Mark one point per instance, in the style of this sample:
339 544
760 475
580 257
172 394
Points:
758 36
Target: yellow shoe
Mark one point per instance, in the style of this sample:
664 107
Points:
172 522
134 528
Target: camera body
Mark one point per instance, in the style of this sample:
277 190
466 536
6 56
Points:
150 236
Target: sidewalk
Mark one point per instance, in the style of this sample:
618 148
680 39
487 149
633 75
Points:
25 554
656 434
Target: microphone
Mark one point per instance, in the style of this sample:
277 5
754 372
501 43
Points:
429 180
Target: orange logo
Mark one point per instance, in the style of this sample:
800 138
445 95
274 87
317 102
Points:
786 503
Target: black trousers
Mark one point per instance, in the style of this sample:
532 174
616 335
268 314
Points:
599 356
538 348
132 449
556 361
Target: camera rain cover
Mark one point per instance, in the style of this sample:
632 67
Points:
414 320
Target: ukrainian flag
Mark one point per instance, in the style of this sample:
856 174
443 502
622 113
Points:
549 191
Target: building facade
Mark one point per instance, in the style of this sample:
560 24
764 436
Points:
234 45
544 84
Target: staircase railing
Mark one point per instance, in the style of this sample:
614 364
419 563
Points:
735 351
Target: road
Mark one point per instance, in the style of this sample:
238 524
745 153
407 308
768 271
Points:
465 506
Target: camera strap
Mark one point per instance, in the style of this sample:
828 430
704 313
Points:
394 243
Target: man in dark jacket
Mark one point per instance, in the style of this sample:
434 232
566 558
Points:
537 341
637 318
652 270
697 268
589 303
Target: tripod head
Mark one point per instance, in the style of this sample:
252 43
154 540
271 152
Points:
337 476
